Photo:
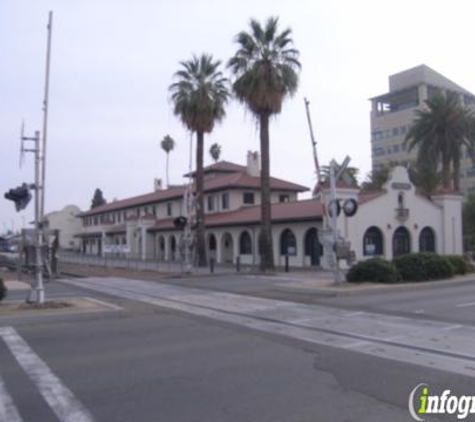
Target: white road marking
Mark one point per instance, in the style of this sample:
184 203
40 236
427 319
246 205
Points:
8 410
464 305
106 304
352 314
356 344
419 311
452 327
61 400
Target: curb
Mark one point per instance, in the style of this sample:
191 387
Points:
378 288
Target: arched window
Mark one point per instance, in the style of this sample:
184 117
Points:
288 243
313 247
427 240
212 242
373 242
245 243
401 241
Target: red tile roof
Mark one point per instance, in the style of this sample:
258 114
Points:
174 192
233 176
221 167
307 210
117 229
242 180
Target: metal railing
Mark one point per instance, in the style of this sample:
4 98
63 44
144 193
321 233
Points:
130 261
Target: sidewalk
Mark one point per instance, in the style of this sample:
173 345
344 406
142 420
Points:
312 282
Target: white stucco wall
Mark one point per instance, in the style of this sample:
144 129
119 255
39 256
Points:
68 225
443 215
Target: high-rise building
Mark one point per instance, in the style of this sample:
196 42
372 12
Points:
393 113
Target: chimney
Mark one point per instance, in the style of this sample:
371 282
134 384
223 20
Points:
253 165
157 185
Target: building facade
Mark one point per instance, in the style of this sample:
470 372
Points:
393 113
68 224
389 222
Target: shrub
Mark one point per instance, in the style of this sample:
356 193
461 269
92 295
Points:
459 264
3 290
423 266
373 270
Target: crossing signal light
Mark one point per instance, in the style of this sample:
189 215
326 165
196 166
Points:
21 196
180 222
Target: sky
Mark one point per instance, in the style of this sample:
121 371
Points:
112 62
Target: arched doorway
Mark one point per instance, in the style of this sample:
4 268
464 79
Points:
427 240
212 246
373 242
313 247
227 249
245 243
288 243
161 248
172 248
401 241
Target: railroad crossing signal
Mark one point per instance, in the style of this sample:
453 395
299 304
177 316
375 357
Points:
21 196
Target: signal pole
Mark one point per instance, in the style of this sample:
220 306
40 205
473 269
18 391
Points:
37 288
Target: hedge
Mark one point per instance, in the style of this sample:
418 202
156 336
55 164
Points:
373 270
423 266
459 264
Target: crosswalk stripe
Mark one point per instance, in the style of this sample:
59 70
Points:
61 400
8 410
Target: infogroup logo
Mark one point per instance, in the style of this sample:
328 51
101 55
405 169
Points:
421 403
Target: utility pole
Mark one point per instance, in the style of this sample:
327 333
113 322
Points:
314 143
45 114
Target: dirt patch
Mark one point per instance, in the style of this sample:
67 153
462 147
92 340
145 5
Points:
51 304
18 308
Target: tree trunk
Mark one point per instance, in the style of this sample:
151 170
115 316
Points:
456 174
265 239
200 214
168 180
446 182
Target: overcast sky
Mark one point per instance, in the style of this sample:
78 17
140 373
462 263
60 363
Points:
113 60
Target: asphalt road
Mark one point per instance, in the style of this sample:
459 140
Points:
449 303
152 363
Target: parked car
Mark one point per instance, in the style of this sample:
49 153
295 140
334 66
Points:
8 247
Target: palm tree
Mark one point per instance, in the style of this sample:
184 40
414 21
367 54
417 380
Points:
425 176
167 144
199 95
265 67
441 130
215 152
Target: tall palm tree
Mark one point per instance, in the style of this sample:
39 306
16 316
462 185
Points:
199 94
215 152
265 67
167 144
441 130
